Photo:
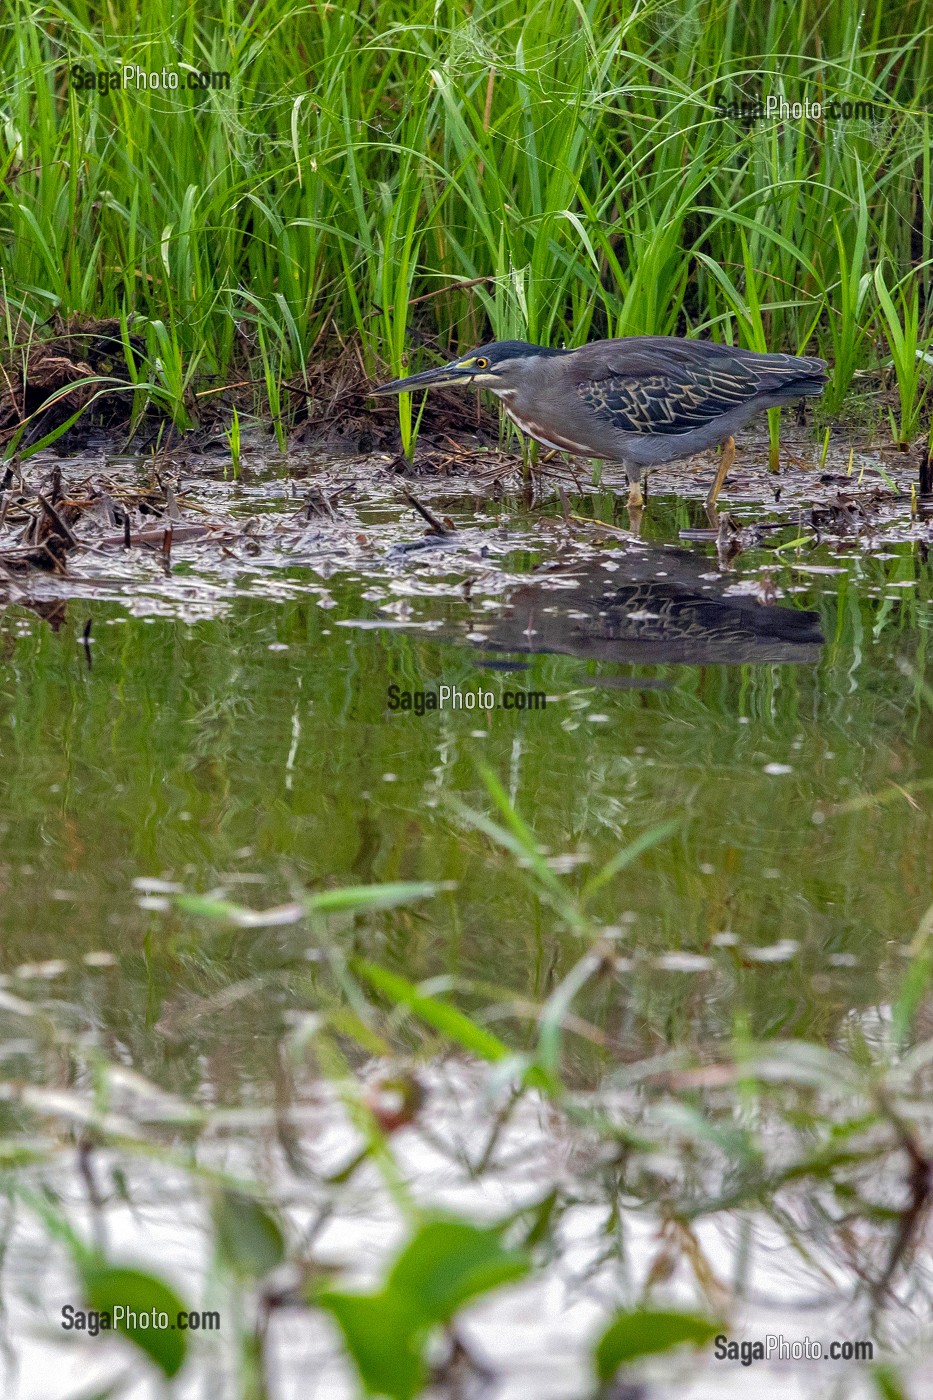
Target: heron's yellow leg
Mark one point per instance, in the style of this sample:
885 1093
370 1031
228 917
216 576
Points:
725 463
636 501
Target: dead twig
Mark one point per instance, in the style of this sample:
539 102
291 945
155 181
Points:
437 525
60 526
919 1186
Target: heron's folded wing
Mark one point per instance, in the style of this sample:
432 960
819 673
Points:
670 401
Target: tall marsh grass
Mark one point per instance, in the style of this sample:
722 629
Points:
418 177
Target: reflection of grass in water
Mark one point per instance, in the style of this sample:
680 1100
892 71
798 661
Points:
808 1137
174 754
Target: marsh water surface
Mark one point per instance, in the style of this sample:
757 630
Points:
227 725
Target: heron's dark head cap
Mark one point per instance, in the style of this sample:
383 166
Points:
493 366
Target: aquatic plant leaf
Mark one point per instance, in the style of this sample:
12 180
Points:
622 859
444 1265
448 1262
888 1383
139 1295
520 832
557 1006
801 1062
348 1023
456 1026
383 1336
363 897
691 1125
228 912
440 1015
249 1239
114 386
915 983
353 899
645 1333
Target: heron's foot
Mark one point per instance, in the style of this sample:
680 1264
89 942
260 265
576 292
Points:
636 503
725 464
728 539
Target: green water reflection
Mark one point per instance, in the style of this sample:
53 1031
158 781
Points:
255 751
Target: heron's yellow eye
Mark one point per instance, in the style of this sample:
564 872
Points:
481 363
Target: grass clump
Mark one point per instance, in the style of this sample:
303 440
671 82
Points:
415 177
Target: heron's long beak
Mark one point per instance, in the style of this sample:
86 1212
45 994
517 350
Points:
428 379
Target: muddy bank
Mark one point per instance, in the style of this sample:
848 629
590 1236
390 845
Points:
92 516
543 563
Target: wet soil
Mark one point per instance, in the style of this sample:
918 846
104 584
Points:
184 519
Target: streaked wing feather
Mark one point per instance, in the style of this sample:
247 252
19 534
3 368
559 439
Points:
669 402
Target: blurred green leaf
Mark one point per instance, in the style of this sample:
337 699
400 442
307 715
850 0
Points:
519 837
448 1262
249 1240
452 1023
803 1063
644 1333
692 1125
541 1216
915 983
227 912
912 992
440 1015
109 1289
557 1007
444 1265
888 1383
626 856
363 897
347 1023
353 899
384 1337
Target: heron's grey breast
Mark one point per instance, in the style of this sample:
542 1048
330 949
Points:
547 407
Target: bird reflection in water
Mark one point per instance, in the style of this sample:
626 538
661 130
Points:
656 607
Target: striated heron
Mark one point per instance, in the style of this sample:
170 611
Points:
643 400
